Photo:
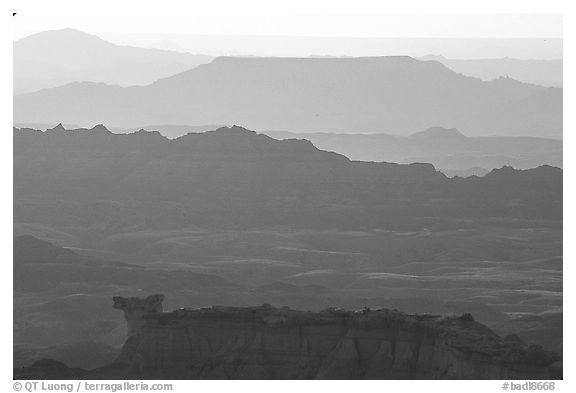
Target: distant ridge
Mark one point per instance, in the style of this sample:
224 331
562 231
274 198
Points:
439 132
57 57
360 95
235 176
448 149
540 72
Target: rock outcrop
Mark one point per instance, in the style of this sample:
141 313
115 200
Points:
135 309
271 343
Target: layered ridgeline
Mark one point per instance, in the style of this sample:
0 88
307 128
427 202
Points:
57 57
272 343
449 150
233 176
540 72
398 95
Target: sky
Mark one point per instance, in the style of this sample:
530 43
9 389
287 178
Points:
536 36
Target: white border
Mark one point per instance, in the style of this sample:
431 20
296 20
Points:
288 9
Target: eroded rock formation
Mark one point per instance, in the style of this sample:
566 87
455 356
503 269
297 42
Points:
271 343
135 308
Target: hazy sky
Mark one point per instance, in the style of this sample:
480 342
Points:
451 35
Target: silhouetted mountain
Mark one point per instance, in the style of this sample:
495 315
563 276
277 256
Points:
448 150
439 133
373 94
540 72
236 176
58 57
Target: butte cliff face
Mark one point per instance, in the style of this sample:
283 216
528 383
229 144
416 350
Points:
135 309
270 343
